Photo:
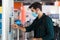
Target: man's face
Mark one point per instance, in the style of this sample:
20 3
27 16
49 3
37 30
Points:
34 12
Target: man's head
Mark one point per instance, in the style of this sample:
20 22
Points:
36 7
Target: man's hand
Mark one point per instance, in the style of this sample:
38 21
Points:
34 39
15 26
40 39
37 39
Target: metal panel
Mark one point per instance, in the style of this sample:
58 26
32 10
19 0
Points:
20 0
48 0
29 1
36 0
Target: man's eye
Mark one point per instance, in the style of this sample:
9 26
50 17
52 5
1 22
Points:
32 10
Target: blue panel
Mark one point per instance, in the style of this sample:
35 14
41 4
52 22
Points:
0 25
0 16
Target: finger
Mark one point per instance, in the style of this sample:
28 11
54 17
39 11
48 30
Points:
40 38
12 25
34 39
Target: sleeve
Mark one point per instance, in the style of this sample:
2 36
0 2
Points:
30 28
50 30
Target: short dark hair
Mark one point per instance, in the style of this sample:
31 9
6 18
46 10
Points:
36 5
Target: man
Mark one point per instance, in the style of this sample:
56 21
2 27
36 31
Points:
42 25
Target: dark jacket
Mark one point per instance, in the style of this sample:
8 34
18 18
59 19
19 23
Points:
43 28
